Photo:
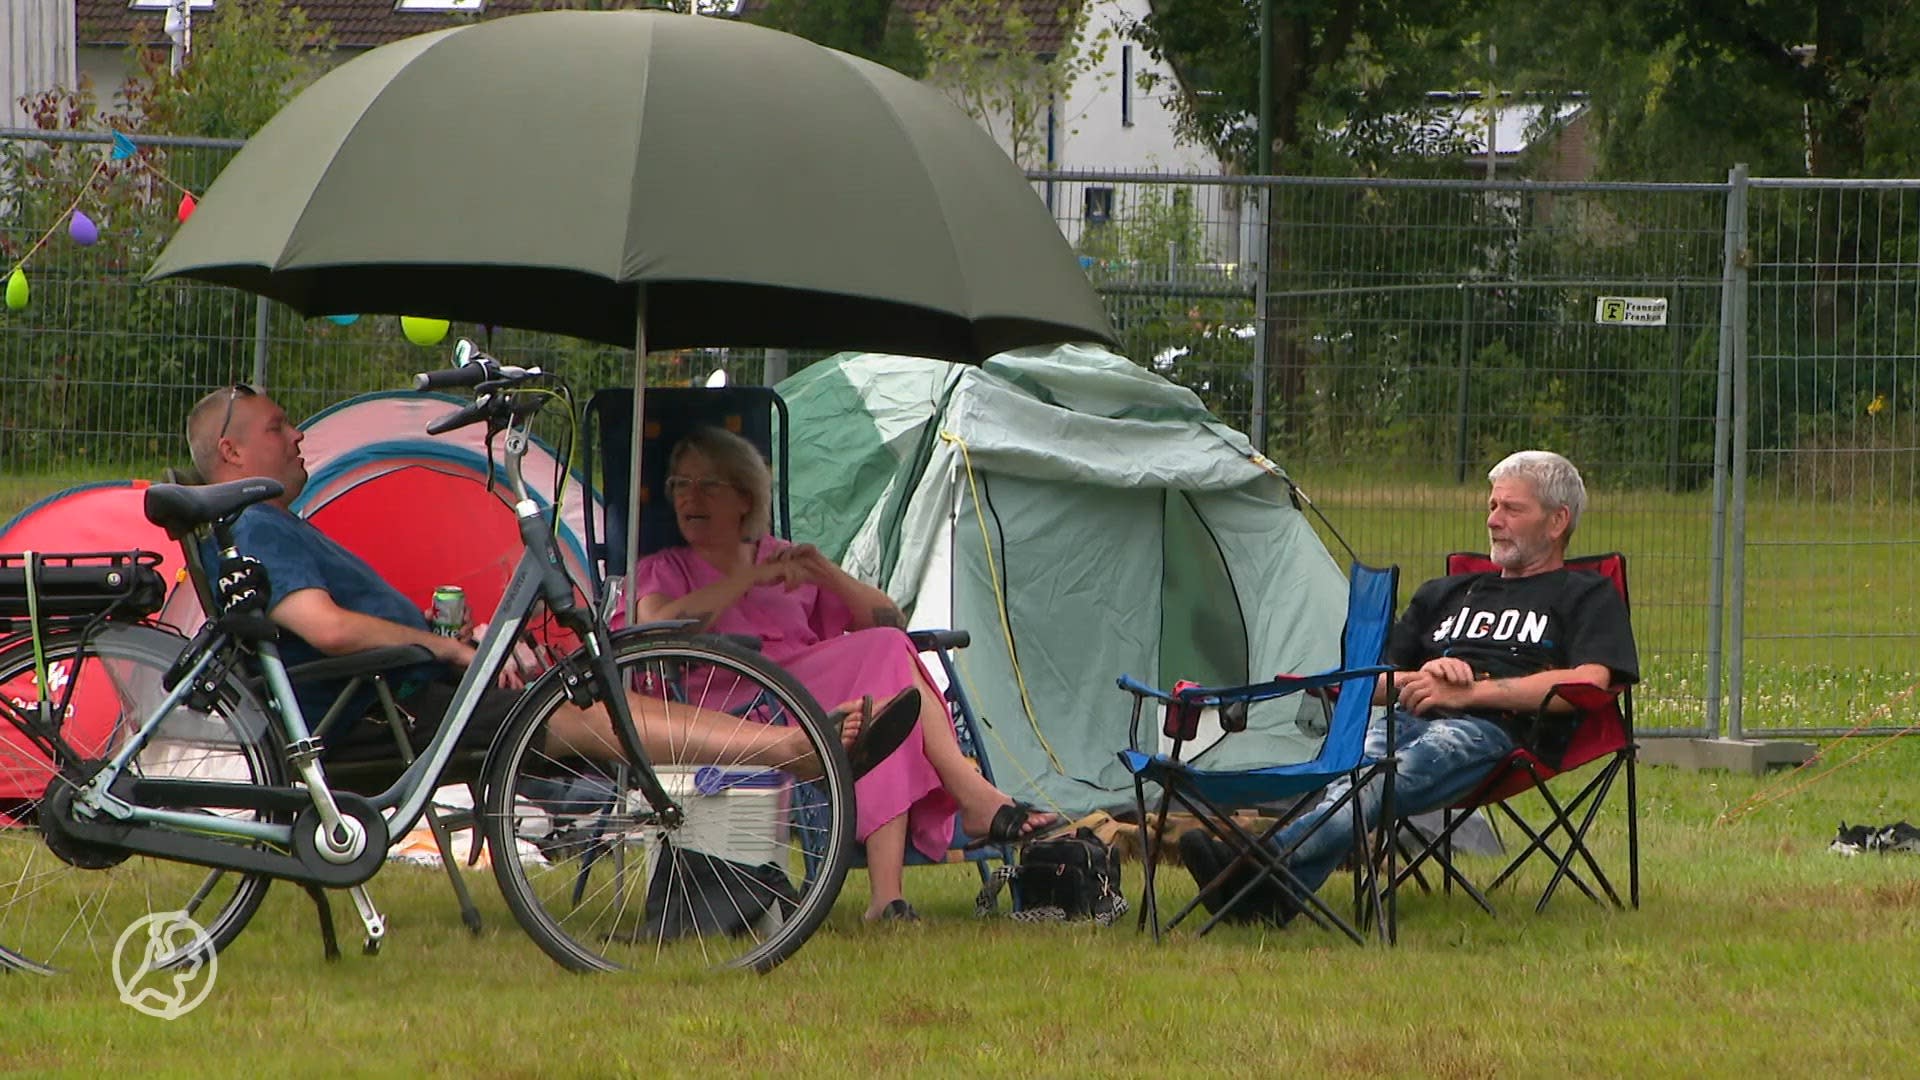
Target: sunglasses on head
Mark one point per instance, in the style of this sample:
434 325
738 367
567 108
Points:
236 391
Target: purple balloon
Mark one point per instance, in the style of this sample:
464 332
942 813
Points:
82 229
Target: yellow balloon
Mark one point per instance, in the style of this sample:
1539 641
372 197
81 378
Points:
17 289
423 331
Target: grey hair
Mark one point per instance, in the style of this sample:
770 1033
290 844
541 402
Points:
738 463
1556 483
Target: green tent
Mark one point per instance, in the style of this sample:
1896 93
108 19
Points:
1083 515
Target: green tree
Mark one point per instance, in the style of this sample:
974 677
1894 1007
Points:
249 57
1349 77
993 60
1684 88
865 28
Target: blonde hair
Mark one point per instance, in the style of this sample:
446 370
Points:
737 462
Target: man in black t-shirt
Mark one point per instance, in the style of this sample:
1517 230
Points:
1475 655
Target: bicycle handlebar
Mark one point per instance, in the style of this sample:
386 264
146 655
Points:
448 378
471 414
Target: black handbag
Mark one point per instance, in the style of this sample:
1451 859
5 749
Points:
693 892
1063 878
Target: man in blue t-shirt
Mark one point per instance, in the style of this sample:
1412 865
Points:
329 602
1474 656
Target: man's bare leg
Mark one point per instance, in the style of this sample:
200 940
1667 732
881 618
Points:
671 732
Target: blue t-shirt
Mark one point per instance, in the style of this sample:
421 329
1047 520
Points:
298 556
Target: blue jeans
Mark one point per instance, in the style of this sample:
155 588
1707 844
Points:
1440 761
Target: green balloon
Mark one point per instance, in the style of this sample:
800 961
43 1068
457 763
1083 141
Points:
17 289
423 331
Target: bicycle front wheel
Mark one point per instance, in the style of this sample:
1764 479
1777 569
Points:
602 881
65 902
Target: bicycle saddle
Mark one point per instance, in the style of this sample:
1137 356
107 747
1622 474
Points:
180 510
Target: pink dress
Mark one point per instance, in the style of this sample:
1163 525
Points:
805 631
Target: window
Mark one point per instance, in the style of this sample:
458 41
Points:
1126 86
437 7
163 5
1096 205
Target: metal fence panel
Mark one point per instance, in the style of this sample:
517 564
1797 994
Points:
1386 341
1830 513
1409 334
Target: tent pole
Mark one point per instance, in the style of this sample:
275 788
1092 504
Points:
632 601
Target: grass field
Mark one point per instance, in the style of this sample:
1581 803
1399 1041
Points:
1756 952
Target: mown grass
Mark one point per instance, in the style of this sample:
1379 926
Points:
1756 952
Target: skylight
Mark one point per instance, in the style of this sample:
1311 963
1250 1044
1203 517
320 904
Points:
441 7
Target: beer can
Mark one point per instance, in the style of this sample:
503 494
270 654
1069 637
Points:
449 611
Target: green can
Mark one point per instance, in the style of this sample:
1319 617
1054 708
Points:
449 615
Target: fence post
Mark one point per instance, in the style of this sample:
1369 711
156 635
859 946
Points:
262 312
1262 272
775 368
1733 335
1462 399
1675 376
1737 451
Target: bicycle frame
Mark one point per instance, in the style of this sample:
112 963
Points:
537 576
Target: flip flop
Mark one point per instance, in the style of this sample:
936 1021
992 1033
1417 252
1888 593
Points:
884 731
1005 828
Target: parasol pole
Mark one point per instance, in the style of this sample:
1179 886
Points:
632 600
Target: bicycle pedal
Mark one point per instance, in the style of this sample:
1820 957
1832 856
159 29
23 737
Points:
370 917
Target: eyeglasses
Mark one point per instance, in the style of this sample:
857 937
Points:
708 485
226 421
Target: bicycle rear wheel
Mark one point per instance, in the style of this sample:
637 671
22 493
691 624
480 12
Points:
64 902
601 883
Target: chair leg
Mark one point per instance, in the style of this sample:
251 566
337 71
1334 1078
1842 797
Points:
1633 828
469 914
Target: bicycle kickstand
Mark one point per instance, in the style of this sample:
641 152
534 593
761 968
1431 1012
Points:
371 918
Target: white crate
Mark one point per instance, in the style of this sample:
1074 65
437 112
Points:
744 823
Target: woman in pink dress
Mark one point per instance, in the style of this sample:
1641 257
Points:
841 638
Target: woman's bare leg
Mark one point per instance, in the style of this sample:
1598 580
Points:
977 796
886 863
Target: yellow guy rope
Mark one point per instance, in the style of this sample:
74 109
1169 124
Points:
1000 602
1773 794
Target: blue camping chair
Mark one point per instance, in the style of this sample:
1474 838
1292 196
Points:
758 415
1211 795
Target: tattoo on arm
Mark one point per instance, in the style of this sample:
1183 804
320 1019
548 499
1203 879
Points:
889 616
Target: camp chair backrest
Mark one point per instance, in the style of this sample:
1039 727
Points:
1602 731
1612 566
755 413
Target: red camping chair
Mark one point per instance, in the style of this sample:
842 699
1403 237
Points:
1604 733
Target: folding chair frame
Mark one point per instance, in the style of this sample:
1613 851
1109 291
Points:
758 414
1370 610
1523 771
359 669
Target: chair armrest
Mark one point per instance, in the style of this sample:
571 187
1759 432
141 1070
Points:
1278 686
365 662
1584 697
929 640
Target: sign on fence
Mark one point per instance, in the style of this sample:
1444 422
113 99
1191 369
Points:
1631 311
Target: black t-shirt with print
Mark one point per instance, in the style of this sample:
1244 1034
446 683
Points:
1508 627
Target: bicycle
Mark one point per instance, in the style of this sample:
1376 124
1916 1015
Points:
723 843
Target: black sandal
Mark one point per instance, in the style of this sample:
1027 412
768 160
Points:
1006 826
883 732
